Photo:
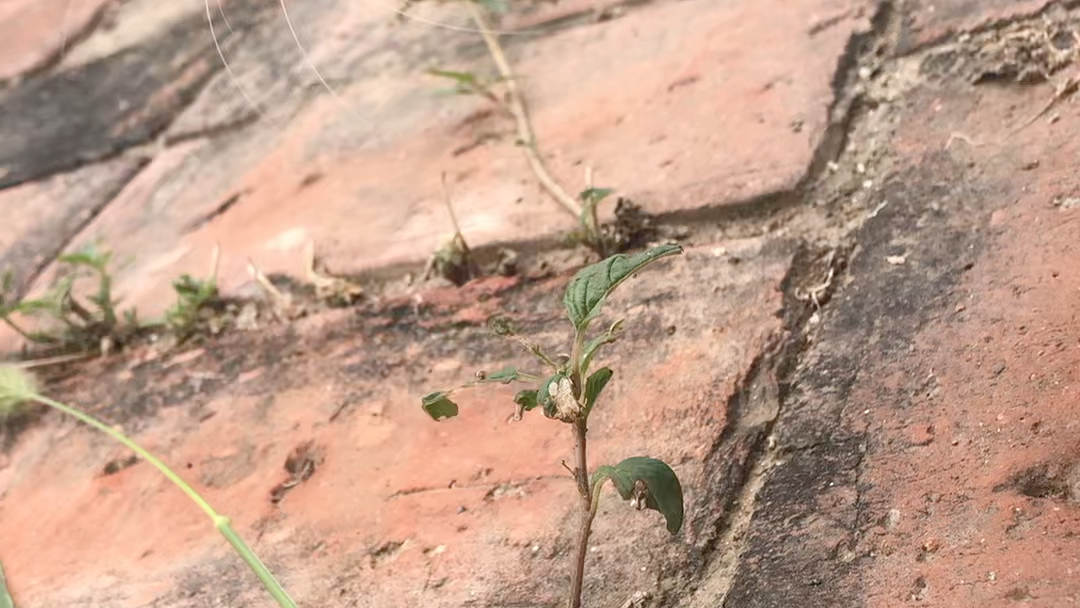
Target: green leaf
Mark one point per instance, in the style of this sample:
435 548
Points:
89 256
197 290
662 491
5 596
589 289
593 345
592 196
462 78
526 400
438 405
595 385
505 375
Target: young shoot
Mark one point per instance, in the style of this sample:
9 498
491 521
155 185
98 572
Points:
81 322
568 392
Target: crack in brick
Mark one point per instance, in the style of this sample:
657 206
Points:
753 411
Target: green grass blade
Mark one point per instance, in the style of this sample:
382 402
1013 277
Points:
5 596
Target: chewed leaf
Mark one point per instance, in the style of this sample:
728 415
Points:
5 596
438 405
526 400
595 385
590 287
544 396
662 491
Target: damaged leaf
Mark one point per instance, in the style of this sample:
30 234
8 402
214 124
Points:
438 405
652 478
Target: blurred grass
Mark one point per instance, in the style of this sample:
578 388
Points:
5 597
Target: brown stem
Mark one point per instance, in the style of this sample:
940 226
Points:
79 310
521 115
581 473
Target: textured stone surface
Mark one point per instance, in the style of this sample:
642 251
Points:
36 32
927 21
867 382
925 452
402 510
603 95
41 217
95 110
974 422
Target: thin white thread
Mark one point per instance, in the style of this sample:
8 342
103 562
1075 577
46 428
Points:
221 9
228 69
314 70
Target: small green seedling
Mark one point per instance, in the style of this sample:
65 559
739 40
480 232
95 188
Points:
93 324
18 388
570 394
193 297
453 260
468 83
591 231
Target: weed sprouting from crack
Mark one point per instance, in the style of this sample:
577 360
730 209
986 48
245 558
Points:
83 323
570 394
454 260
504 91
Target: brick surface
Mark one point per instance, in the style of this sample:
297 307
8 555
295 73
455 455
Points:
866 383
39 218
403 510
930 21
926 447
604 95
975 445
36 31
61 121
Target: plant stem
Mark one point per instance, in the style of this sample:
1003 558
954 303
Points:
577 364
221 522
581 474
22 332
521 115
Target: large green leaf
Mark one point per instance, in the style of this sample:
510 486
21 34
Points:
5 596
595 385
660 485
438 405
590 287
